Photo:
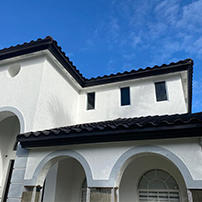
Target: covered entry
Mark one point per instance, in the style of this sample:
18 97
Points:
9 129
151 177
65 182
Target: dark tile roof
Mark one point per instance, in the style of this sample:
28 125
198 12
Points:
150 127
140 70
52 45
41 44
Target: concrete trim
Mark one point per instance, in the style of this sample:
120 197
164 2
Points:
58 155
119 167
18 114
123 161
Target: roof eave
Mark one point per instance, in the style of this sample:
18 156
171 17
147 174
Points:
135 134
172 68
39 45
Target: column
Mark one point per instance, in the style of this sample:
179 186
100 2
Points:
17 179
102 195
31 194
196 195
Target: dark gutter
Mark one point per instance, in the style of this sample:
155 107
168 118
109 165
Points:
190 86
43 44
150 133
49 44
24 49
66 64
138 74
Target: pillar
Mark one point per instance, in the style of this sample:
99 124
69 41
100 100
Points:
31 194
196 195
17 179
102 195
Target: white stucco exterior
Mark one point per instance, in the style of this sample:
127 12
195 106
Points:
48 98
101 165
40 93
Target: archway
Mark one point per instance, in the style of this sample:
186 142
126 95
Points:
10 127
147 163
64 182
56 172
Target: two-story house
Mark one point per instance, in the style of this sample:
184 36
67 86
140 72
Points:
128 137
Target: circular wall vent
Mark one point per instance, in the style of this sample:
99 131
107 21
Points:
14 70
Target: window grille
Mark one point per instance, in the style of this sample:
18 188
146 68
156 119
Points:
158 186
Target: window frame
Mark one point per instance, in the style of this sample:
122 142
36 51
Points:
159 192
88 104
158 99
128 102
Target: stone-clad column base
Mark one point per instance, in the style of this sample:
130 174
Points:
196 195
27 194
102 195
31 194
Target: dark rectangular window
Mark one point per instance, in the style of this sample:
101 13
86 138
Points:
90 101
8 181
125 96
160 88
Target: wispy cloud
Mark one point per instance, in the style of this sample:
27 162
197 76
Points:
129 56
111 65
191 17
197 84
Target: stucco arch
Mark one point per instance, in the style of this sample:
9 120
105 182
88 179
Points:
47 162
12 110
127 157
11 124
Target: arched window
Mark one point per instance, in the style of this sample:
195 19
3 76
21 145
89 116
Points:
84 191
157 186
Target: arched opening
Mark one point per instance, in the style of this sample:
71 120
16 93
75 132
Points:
65 181
151 177
158 185
9 129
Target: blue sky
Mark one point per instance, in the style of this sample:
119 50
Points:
103 37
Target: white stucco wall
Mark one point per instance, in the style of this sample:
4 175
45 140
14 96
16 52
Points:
102 157
21 92
143 99
57 103
41 92
47 96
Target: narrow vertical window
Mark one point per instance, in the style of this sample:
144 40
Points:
91 101
125 96
160 88
8 182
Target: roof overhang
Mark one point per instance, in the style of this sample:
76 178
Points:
131 129
51 45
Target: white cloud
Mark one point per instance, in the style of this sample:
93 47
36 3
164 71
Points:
70 54
114 27
197 84
135 41
168 10
127 66
191 17
157 29
111 65
129 56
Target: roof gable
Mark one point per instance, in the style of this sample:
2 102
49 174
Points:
49 44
